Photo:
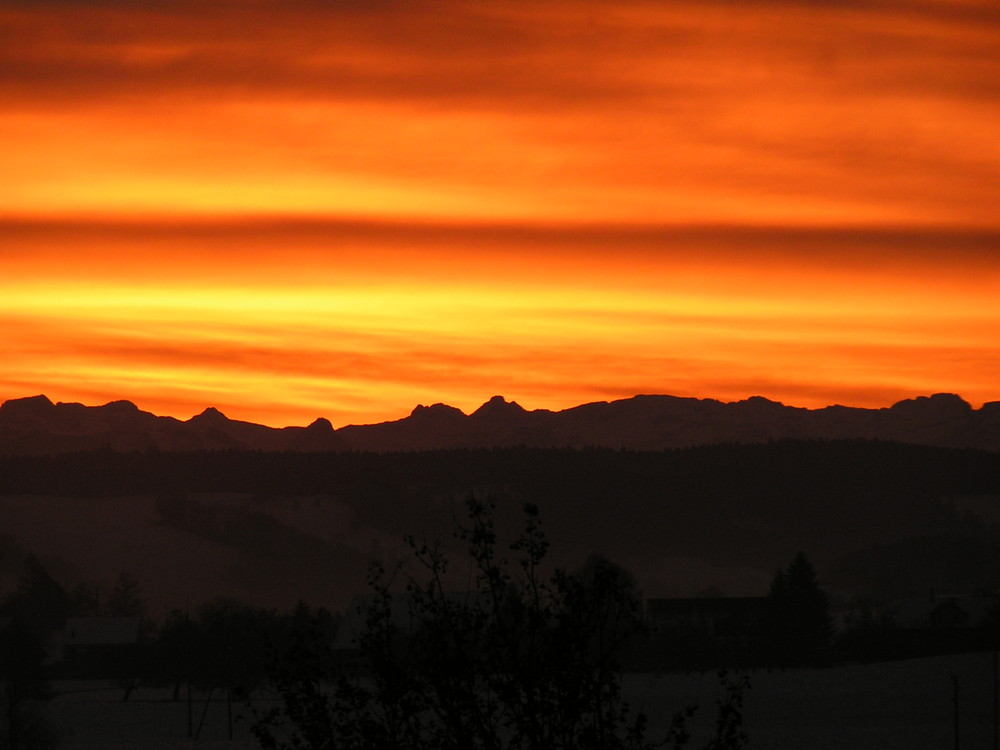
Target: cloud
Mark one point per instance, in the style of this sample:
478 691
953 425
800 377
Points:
787 112
493 54
282 321
451 197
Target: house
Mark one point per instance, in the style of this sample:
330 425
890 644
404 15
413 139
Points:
942 612
924 626
98 646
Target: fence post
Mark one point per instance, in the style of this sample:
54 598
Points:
954 680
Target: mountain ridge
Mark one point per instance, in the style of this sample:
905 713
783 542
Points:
36 425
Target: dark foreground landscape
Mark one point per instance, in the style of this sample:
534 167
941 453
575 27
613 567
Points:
854 581
900 705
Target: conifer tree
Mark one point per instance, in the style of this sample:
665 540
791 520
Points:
799 622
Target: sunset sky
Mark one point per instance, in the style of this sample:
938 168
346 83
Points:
341 208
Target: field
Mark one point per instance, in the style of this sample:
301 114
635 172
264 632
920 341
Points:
906 705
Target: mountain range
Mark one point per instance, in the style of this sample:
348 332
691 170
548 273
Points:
37 426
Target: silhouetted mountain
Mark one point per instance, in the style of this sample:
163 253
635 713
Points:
36 425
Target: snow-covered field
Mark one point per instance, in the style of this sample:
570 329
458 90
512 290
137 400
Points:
905 705
91 716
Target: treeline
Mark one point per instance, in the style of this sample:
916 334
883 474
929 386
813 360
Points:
868 511
829 467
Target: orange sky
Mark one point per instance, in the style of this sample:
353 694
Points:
299 209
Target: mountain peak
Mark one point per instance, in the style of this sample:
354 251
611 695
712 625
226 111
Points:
320 424
941 404
28 402
211 415
498 406
761 402
122 407
420 411
27 411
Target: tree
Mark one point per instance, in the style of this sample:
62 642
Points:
526 660
798 620
37 607
174 652
231 647
84 600
233 638
125 599
39 602
23 676
223 648
131 664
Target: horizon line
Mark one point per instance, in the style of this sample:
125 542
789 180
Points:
506 401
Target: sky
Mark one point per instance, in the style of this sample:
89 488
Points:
343 208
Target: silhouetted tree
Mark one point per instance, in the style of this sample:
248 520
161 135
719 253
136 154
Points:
131 664
24 679
304 631
525 660
798 626
233 647
225 647
84 600
175 652
38 602
125 599
37 607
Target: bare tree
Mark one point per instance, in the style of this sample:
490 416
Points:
526 660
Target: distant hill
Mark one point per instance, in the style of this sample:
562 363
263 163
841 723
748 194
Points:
37 426
878 519
888 503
